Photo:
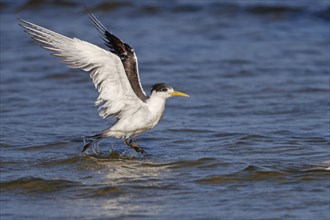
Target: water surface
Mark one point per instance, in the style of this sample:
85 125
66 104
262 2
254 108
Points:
252 141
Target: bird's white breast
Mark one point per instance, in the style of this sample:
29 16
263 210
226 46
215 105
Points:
143 119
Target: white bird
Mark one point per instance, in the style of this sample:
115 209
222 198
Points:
116 77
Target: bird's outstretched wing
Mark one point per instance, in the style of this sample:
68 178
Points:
116 96
126 55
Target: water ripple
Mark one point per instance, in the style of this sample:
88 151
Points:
36 185
253 173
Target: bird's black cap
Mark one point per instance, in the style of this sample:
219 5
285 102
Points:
160 87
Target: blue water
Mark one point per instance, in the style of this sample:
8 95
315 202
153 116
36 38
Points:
251 142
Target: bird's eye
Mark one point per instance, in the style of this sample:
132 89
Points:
163 90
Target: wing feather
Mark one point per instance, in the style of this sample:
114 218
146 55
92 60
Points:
126 54
116 96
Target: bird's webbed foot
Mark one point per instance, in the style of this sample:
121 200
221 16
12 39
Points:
134 146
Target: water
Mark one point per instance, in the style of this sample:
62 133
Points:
252 141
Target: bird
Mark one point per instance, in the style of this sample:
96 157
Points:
115 74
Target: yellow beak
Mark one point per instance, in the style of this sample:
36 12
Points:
176 93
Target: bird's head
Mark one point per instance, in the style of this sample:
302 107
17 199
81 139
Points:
165 91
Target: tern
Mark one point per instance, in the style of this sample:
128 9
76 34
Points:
115 75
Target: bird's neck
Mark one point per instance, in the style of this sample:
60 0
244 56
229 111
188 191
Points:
156 104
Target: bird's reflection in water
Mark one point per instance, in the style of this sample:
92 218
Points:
124 180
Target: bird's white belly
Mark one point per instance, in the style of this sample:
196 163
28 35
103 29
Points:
135 124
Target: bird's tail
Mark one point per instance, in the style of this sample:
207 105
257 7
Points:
92 140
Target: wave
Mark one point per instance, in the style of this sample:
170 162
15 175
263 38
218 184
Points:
36 185
277 10
252 173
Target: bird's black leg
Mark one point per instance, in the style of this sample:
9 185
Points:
134 146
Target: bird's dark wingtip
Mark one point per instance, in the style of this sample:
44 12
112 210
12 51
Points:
86 8
88 11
